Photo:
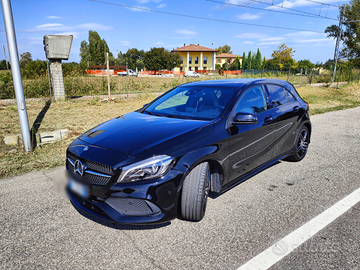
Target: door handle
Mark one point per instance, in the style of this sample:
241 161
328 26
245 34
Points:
296 108
268 120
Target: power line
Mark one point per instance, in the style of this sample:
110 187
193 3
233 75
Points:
265 3
270 10
322 3
203 18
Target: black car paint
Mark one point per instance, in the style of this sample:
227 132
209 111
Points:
235 151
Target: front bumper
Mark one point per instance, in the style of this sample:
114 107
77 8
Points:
151 201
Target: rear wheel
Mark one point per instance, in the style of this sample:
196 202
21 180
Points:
195 192
301 145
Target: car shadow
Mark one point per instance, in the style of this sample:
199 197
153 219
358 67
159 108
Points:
117 226
214 195
37 123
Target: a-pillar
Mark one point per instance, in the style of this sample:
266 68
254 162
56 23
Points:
57 79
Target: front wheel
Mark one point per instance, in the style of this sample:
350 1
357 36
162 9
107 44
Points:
195 192
301 145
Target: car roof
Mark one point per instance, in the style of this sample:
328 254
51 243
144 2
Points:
238 83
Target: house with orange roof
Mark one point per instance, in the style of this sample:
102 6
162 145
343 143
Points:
224 57
196 57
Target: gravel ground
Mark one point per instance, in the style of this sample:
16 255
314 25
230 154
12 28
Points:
39 228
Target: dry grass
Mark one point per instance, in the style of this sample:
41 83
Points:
81 115
77 116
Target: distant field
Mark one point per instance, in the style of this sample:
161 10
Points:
81 115
95 86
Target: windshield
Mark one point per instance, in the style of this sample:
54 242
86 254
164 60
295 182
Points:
203 103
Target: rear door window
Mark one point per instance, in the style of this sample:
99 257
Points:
277 94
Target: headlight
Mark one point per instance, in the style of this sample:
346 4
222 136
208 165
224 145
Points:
150 168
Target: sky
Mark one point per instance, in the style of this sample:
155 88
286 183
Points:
245 25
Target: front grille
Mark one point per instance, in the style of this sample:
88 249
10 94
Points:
95 173
133 206
92 165
96 179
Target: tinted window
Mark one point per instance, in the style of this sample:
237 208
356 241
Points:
253 101
277 94
290 97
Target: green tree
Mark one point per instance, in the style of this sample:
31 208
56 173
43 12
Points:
3 65
257 64
248 64
237 64
224 49
306 64
34 69
133 57
351 32
243 63
25 58
283 53
273 64
155 59
84 55
174 60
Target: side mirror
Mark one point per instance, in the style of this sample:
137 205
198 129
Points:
244 118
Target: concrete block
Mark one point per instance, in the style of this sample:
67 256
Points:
12 140
64 133
49 137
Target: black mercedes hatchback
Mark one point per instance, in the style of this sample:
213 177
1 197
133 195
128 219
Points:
161 161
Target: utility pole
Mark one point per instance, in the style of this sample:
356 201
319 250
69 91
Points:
16 74
338 40
7 65
127 80
108 74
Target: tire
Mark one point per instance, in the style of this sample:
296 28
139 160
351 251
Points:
301 145
195 192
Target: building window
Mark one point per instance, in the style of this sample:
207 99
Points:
190 59
196 60
219 61
205 60
196 68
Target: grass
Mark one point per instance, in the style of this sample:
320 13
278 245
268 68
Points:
81 115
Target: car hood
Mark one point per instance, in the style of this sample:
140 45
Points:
144 135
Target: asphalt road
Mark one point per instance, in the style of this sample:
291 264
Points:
39 228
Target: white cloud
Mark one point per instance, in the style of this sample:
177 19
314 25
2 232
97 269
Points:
161 5
272 39
49 25
58 27
248 42
125 43
185 32
269 43
139 9
53 17
248 16
251 35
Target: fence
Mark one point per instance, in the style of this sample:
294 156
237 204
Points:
94 85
